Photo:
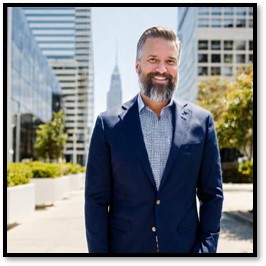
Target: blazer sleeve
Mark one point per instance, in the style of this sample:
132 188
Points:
97 191
210 192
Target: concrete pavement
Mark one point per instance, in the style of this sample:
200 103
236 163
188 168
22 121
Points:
60 228
55 229
237 220
238 202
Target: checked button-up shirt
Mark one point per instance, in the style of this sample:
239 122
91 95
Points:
157 133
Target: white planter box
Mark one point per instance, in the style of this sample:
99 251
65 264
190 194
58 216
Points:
76 181
49 190
20 202
64 187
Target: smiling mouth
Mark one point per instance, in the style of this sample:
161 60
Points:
160 79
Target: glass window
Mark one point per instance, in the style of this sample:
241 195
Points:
228 11
203 10
215 71
240 23
228 45
228 58
16 84
216 10
203 45
250 45
215 45
216 23
203 23
240 45
227 71
86 16
250 57
241 11
240 58
250 23
15 58
203 58
250 11
228 23
202 71
216 58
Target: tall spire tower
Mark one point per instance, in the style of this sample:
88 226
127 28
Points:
114 96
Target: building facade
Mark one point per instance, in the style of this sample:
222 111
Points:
32 88
114 96
217 41
64 35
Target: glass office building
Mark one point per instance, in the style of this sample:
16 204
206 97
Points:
217 41
64 34
187 87
33 89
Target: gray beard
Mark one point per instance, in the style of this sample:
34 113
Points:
157 93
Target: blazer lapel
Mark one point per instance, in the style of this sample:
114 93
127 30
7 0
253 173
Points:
181 120
131 124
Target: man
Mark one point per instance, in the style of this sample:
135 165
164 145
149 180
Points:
148 160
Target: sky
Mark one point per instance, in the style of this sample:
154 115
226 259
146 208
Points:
122 27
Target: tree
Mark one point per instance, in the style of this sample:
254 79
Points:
51 138
231 104
235 128
212 94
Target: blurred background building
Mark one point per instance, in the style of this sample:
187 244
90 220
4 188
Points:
216 41
32 88
114 95
65 37
50 66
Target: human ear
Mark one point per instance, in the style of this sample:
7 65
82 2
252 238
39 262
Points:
137 66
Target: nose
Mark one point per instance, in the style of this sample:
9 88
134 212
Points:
161 68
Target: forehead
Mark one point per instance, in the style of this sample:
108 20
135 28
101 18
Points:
160 47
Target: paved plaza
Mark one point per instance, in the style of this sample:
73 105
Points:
60 228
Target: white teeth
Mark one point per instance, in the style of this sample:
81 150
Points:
160 78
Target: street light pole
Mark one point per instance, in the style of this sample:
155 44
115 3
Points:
18 134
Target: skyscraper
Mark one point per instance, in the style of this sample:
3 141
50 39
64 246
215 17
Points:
32 88
64 35
187 25
114 96
216 41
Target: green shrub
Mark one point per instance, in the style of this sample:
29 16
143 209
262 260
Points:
75 168
41 169
246 168
65 168
70 168
18 174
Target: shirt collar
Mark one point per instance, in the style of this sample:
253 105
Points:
141 104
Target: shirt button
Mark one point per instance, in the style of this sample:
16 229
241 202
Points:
153 229
158 202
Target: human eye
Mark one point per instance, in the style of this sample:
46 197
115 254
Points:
152 60
171 61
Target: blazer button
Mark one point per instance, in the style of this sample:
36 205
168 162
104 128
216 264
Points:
158 202
153 229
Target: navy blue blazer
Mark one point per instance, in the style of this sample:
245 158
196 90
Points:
124 212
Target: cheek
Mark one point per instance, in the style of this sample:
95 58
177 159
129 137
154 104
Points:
147 68
174 72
